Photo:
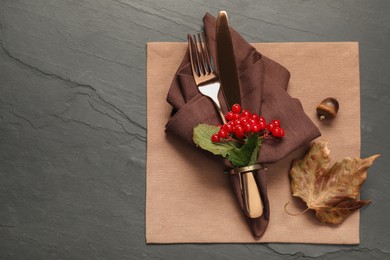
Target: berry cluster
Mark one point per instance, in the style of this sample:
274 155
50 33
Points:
242 123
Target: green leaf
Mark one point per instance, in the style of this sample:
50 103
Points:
202 138
247 154
255 154
239 155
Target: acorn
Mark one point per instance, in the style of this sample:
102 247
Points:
328 108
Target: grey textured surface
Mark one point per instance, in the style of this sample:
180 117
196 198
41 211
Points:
73 120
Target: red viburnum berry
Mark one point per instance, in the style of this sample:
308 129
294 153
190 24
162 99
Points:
248 128
278 132
270 127
222 133
237 122
256 128
261 119
228 128
262 125
236 108
239 130
236 116
244 121
254 117
252 121
215 138
282 133
276 123
229 116
245 113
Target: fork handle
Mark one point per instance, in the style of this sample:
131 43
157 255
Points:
222 116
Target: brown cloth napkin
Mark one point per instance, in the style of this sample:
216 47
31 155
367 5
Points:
263 85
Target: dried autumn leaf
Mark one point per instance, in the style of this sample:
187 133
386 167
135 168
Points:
332 192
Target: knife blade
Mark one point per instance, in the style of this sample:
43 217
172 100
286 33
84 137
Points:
226 61
228 76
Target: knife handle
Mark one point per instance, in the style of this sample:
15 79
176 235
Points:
253 204
250 191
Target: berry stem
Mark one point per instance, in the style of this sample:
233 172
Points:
230 139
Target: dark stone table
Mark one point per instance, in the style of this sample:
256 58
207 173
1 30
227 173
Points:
73 120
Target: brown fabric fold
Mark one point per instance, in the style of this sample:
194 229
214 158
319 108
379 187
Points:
263 85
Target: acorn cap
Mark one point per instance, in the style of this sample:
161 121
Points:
328 108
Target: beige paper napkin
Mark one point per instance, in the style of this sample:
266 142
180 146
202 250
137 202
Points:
189 200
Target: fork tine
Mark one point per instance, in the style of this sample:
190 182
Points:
197 56
192 51
206 54
189 40
201 61
203 58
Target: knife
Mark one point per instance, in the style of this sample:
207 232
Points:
226 61
227 69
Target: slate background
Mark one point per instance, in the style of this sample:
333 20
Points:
73 120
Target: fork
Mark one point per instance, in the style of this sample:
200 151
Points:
205 77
